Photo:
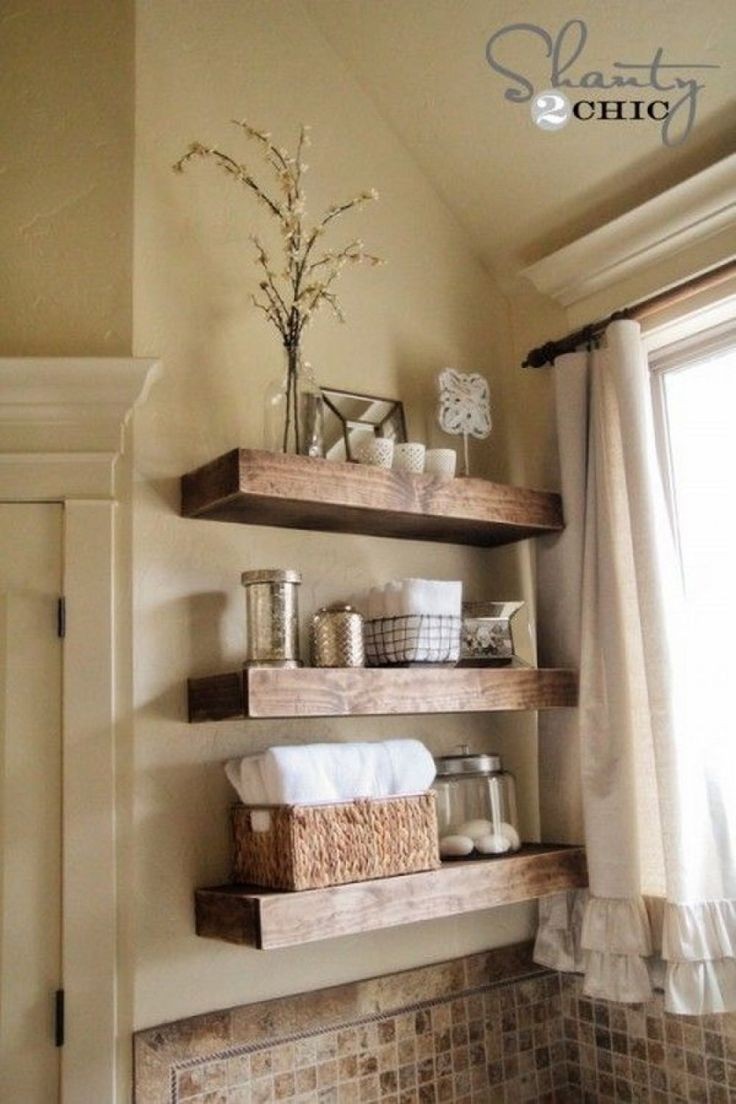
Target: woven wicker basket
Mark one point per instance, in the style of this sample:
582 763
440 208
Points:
308 846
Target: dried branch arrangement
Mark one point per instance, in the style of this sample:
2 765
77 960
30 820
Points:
289 298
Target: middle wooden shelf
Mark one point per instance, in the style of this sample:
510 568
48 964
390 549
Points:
344 692
268 919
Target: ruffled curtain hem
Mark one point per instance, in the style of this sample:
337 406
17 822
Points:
706 930
557 945
699 948
611 942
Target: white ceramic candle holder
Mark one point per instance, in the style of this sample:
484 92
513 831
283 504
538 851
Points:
378 452
440 462
409 457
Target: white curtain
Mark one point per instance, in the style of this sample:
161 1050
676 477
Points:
662 885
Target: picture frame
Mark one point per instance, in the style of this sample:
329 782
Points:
351 416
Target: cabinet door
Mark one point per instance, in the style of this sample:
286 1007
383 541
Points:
30 800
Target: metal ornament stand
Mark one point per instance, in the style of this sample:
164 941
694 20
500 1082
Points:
464 408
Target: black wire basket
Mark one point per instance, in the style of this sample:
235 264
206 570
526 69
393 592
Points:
413 640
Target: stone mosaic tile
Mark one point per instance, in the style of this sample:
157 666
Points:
642 1053
487 1029
471 1031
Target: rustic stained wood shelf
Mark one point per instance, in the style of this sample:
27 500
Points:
344 692
268 919
297 492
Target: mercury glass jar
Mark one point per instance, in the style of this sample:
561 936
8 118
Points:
336 637
476 806
272 614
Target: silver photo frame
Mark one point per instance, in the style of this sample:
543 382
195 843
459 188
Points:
351 417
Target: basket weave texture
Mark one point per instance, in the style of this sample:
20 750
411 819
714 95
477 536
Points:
309 846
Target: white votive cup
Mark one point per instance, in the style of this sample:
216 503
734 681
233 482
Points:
440 462
378 452
409 457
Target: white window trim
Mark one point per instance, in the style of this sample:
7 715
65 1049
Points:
46 403
716 310
681 340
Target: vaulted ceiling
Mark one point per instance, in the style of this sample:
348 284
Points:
519 191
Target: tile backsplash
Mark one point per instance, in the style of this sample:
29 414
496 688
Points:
642 1053
479 1030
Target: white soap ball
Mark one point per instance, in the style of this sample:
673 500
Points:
454 846
511 835
476 829
495 843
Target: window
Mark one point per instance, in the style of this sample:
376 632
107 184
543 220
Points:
694 383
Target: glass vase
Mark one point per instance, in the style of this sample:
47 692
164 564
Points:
295 409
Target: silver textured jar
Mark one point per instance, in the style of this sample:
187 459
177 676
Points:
336 637
272 612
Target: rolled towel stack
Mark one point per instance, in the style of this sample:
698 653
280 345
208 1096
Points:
309 774
407 597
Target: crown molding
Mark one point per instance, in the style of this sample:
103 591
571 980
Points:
682 217
50 404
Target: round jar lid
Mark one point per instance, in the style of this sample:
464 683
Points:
337 608
467 762
271 575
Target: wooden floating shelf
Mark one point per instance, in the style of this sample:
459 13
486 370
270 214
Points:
268 919
297 492
380 691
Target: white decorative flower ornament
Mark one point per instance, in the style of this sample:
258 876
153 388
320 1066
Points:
465 406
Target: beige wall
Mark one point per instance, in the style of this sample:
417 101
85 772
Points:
67 87
431 305
66 186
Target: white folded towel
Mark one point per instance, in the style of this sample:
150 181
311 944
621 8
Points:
311 773
431 596
406 597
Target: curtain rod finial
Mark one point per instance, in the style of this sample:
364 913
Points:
545 354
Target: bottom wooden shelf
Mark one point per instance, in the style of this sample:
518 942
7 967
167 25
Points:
268 919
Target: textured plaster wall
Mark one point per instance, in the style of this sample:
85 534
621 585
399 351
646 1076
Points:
199 65
66 177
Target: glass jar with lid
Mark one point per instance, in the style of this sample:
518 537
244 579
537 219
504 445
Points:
476 805
272 617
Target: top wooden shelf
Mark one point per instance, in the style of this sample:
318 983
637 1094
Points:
297 492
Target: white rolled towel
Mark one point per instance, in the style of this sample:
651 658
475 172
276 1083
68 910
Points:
311 773
412 767
247 778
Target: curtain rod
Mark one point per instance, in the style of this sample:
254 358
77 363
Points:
587 335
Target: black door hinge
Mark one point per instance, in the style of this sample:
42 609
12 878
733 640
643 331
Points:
61 618
59 1018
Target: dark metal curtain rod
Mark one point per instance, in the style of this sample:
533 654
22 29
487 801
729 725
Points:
588 335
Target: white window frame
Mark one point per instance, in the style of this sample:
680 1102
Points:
61 426
678 344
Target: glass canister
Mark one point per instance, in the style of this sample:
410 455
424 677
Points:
476 805
272 612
